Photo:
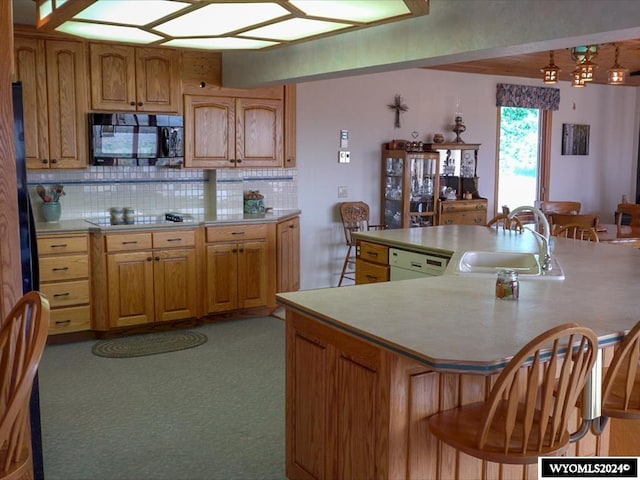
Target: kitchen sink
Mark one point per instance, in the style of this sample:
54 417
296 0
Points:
526 264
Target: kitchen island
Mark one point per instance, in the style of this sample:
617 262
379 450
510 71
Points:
366 365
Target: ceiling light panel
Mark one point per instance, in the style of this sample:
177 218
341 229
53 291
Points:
295 29
221 18
352 10
220 43
107 32
136 12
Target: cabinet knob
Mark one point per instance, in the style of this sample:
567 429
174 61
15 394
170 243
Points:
292 225
234 250
157 259
140 104
149 259
133 104
289 160
45 161
53 160
242 250
231 160
239 160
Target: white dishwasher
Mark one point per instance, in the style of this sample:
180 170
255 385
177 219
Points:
406 265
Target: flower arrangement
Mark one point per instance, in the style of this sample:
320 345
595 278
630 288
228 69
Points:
53 194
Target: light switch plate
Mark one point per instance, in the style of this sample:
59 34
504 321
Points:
344 156
343 192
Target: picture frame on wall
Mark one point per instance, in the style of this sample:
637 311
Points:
575 139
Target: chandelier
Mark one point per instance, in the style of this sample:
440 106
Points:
585 68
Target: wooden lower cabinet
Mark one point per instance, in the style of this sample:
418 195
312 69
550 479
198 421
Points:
149 277
357 410
372 263
240 267
64 279
288 254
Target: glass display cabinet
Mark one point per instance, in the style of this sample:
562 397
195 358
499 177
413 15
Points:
458 169
410 186
460 202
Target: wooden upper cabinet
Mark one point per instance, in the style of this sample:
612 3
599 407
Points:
259 137
224 132
135 79
53 75
209 132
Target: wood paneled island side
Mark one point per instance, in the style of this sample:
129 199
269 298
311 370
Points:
367 365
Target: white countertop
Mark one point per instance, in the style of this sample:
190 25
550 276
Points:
454 322
82 225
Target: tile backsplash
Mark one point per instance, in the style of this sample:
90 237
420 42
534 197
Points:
92 192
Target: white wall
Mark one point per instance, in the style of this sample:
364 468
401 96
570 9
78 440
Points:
359 104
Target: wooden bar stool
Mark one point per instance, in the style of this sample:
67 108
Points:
621 385
524 419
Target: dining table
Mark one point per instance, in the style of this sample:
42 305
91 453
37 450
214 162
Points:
619 234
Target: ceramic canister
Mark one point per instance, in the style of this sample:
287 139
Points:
253 202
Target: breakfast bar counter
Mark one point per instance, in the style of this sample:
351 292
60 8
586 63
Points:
366 365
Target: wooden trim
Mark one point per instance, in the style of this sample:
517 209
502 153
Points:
10 278
545 154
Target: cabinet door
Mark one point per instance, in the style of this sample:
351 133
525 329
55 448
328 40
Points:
130 286
113 85
259 127
290 101
288 254
174 273
222 277
30 69
252 274
210 132
157 80
67 100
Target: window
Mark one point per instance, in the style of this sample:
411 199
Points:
524 122
518 157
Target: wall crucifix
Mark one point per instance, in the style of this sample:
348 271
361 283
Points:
398 106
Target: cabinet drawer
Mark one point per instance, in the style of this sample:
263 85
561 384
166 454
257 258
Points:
373 252
59 244
464 206
174 238
64 268
72 319
464 218
236 233
129 241
367 272
66 293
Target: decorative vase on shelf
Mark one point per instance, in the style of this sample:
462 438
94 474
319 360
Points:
51 211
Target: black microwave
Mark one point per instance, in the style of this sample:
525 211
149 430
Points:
132 139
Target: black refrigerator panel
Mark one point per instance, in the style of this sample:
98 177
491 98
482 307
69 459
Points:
29 260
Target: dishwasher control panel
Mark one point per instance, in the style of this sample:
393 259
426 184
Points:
405 264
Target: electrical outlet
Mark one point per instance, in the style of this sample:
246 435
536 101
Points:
343 192
344 156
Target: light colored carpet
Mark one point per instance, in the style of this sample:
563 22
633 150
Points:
206 413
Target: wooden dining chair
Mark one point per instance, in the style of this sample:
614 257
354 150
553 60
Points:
577 231
549 207
23 335
355 217
503 220
631 211
557 220
524 418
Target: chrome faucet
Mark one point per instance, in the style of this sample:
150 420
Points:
543 239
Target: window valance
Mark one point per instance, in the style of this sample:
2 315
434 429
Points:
524 96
